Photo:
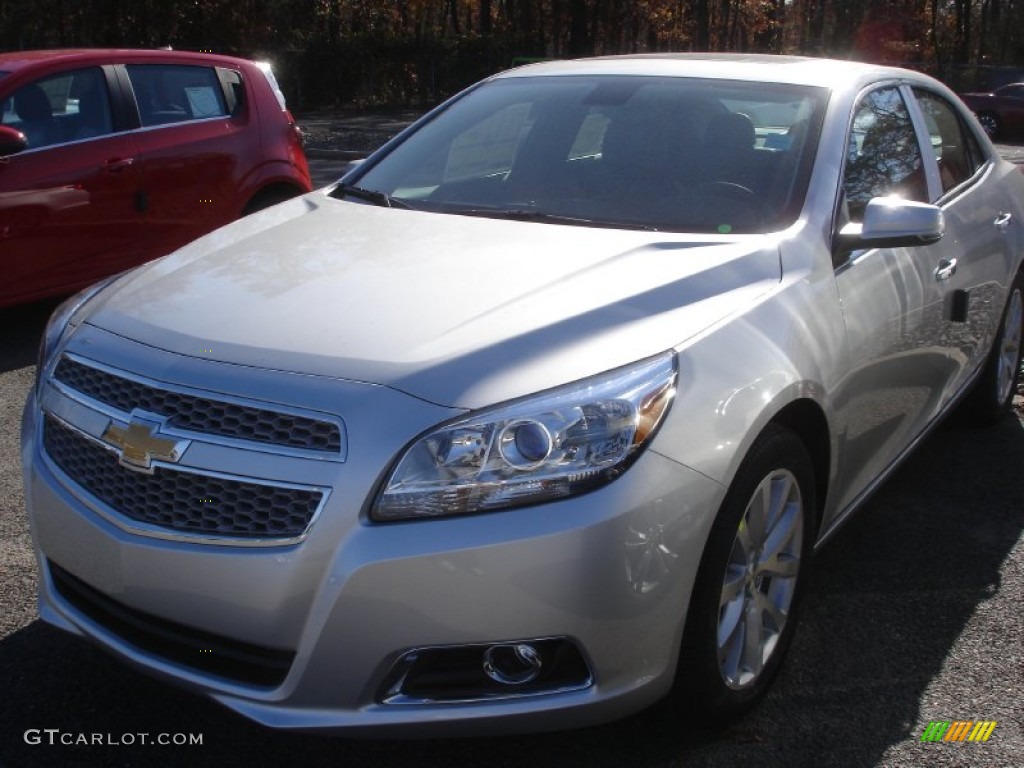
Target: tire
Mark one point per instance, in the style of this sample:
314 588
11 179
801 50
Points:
990 123
267 198
737 589
992 395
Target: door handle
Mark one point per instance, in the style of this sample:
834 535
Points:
1003 221
118 164
946 269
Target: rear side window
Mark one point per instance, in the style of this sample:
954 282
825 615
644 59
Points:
169 93
956 150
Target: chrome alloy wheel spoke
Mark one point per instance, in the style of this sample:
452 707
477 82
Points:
760 579
1009 351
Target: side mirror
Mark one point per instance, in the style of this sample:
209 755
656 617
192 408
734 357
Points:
891 222
11 141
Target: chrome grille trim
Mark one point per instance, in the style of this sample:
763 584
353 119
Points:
219 418
91 465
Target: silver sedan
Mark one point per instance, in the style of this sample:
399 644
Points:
539 412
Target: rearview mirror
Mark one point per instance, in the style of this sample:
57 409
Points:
891 222
11 141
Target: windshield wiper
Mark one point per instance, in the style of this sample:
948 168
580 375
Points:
529 214
370 195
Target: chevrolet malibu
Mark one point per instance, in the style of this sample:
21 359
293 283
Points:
539 412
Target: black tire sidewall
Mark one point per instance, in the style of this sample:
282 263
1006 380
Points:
699 685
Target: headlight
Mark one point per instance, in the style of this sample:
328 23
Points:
548 446
61 322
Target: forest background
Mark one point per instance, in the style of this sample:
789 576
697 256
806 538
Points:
416 52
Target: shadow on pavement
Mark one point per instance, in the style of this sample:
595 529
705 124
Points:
20 331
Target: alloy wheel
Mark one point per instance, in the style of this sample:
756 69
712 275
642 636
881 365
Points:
1009 348
760 579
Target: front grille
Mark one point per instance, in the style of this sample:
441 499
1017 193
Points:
180 501
200 414
230 659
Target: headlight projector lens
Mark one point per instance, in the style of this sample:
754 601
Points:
525 444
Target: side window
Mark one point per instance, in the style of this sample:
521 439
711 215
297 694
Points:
489 148
172 93
588 142
956 150
883 156
71 106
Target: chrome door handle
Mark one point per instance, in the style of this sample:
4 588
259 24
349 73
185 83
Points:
118 164
1003 220
946 269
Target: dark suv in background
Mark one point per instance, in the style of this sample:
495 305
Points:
110 158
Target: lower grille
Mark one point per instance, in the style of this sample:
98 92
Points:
180 501
230 659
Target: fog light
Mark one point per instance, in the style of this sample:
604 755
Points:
512 664
486 671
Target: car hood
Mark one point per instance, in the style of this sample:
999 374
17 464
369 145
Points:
457 310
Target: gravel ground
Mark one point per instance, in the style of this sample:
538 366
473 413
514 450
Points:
355 131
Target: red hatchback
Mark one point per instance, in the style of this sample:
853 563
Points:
110 158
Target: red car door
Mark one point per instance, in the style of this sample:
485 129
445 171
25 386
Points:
190 151
69 208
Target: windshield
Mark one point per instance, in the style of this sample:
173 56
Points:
662 153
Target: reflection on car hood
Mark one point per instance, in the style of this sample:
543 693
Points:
457 310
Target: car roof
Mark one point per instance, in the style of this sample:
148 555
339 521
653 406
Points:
12 61
796 70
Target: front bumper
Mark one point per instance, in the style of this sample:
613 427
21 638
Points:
611 571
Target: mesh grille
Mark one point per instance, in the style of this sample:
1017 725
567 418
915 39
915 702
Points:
200 414
180 501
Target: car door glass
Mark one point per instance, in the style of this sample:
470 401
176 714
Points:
956 150
71 106
169 93
883 157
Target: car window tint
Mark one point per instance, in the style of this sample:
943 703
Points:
174 93
956 150
678 154
883 157
71 106
489 147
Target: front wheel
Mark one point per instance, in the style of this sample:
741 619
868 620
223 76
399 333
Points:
743 610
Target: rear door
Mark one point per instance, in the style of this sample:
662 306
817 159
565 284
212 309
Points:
69 211
976 256
190 150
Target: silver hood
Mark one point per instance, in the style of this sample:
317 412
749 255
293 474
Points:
457 310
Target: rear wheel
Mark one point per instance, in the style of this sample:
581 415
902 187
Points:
993 393
990 122
743 611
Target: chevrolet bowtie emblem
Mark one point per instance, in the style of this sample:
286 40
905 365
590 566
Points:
139 445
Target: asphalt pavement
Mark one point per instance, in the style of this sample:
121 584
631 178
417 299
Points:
913 614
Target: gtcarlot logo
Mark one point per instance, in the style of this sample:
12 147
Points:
55 736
